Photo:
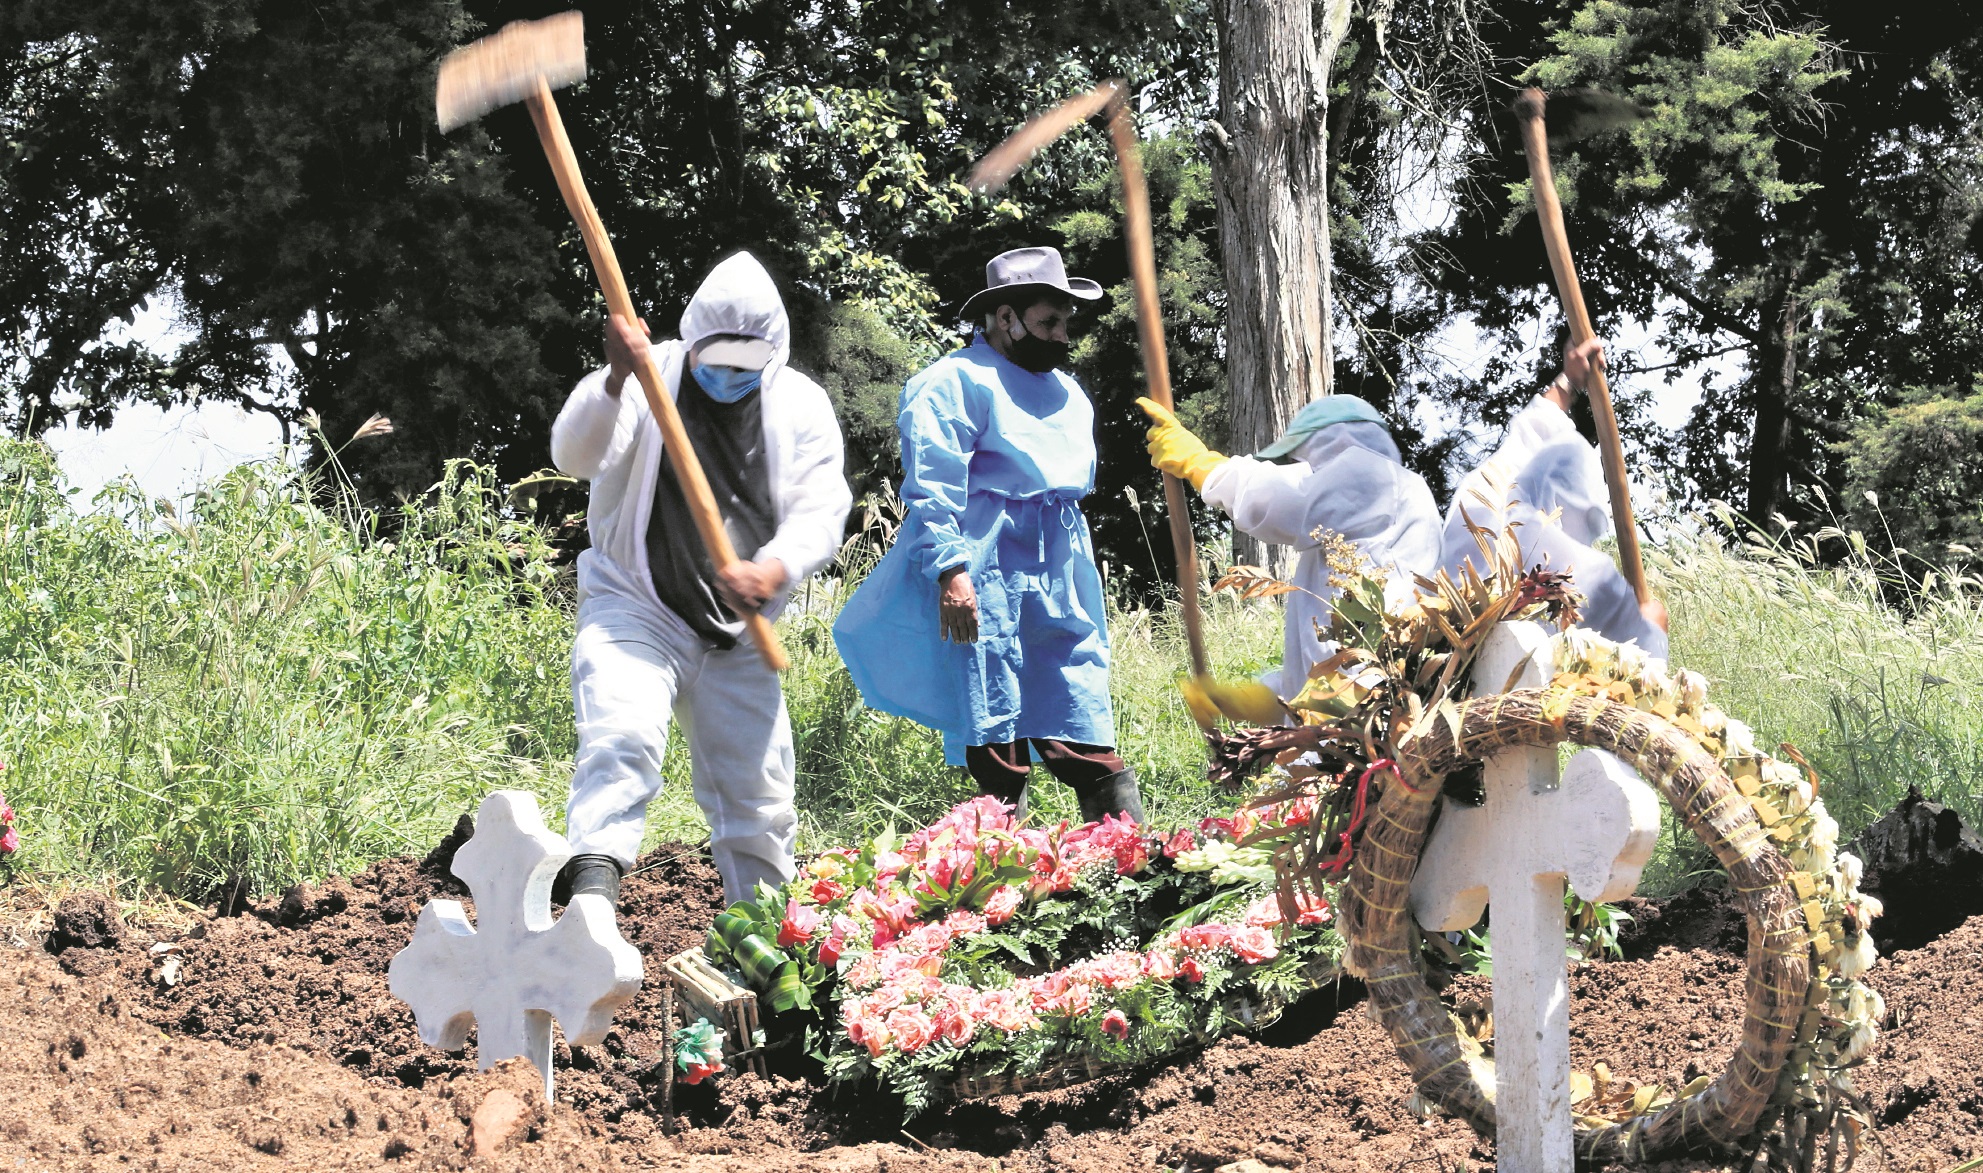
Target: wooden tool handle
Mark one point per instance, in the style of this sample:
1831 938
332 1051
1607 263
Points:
675 439
1156 366
1535 143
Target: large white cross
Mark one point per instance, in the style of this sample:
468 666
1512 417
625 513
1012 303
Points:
518 970
1594 827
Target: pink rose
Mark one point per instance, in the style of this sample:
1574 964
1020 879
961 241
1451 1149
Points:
1181 841
884 1000
1254 945
1159 967
865 972
1005 900
1192 971
957 1029
1314 910
799 925
1204 938
1115 1024
965 923
874 1034
1118 969
912 1030
1265 912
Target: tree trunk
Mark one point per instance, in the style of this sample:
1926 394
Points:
1775 378
1269 162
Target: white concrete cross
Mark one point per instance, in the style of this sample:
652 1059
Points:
518 970
1593 827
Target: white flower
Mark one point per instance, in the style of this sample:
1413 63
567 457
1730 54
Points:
1857 1043
1652 686
1713 721
1857 957
1871 908
1632 661
1739 741
1824 829
1851 870
1781 774
1570 650
1693 690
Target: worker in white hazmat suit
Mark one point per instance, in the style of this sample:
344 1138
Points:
658 629
1547 481
1335 471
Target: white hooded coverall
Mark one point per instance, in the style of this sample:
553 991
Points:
1542 467
634 660
1347 478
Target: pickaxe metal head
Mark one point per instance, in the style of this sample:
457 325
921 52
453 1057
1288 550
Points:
1575 115
1008 157
505 67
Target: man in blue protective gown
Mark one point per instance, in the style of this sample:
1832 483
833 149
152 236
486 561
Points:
985 620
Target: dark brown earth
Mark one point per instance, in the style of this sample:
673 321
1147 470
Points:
278 1046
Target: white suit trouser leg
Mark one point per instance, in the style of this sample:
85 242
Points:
631 666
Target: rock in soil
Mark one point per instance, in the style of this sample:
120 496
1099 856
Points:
280 1047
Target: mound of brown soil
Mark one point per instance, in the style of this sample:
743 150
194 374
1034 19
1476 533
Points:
277 1045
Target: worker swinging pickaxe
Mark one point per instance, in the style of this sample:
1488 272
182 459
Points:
1246 701
524 63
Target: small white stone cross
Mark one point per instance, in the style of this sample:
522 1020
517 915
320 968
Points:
518 970
1594 827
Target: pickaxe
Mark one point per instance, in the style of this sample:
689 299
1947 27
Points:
1609 112
1252 702
524 62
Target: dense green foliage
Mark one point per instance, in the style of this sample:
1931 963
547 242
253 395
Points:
1915 479
1803 195
1802 190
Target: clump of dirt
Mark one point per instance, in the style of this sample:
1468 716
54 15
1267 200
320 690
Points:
277 1044
1926 865
86 920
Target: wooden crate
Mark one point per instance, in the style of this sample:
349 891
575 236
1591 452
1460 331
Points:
701 991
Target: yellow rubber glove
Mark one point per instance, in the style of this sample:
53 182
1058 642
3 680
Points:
1245 702
1173 449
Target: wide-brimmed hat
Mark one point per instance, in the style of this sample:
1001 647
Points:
1011 273
1330 409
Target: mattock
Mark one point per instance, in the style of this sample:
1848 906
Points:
524 62
1593 828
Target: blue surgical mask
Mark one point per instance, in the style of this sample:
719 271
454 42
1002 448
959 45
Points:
727 384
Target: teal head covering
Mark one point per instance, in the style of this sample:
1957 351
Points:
1330 409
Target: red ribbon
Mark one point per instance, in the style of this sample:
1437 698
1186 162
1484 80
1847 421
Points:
1338 863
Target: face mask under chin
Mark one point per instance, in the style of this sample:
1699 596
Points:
1036 354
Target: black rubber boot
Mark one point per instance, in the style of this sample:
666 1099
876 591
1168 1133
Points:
1114 795
597 874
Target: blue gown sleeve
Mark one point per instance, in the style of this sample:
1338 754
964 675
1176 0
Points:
938 436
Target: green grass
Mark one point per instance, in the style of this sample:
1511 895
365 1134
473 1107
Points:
1813 652
280 685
